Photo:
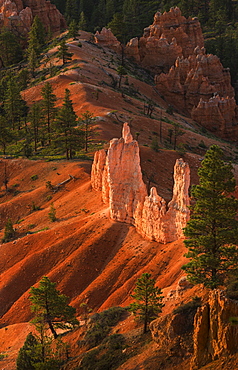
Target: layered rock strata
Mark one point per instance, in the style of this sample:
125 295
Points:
18 15
170 36
200 76
118 175
214 335
217 114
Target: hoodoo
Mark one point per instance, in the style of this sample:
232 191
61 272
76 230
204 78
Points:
118 175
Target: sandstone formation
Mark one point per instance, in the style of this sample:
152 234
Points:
216 114
106 38
191 79
214 336
118 175
18 15
174 333
170 36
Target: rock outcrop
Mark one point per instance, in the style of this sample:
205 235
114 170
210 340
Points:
191 79
217 114
118 175
214 335
18 15
170 36
106 38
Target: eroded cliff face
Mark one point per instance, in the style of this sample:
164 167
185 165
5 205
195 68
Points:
106 38
195 78
170 36
18 15
214 336
118 175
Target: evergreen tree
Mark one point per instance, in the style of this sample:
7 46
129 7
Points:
29 354
10 49
51 308
82 22
118 27
63 52
211 232
6 135
148 300
35 118
9 231
48 105
37 31
66 135
52 213
87 120
73 29
14 106
71 11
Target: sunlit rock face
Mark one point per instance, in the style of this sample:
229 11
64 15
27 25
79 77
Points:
217 114
118 175
170 36
214 336
191 79
106 38
18 15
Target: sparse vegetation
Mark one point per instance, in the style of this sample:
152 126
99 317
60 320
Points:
9 231
52 213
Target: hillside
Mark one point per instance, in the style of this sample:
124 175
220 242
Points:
93 259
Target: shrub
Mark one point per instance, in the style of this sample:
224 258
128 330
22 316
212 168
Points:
101 324
34 177
52 213
189 306
9 231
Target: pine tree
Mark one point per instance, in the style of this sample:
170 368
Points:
29 354
10 49
52 213
51 308
14 106
82 22
87 120
35 118
148 300
73 29
6 135
48 105
63 52
66 135
9 231
211 232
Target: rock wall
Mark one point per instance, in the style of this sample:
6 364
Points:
18 15
118 175
214 336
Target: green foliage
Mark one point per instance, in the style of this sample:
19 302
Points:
107 356
10 49
34 177
87 120
48 106
9 231
189 306
63 52
101 323
73 29
29 354
52 213
211 232
154 144
148 299
51 308
67 136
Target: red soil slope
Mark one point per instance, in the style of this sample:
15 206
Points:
92 258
